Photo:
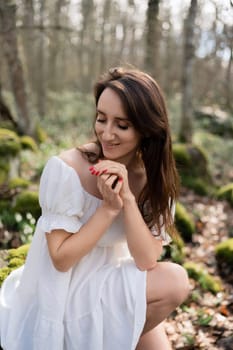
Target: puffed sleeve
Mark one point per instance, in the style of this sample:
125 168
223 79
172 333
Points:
61 197
164 236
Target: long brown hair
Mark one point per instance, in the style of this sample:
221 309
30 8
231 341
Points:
145 107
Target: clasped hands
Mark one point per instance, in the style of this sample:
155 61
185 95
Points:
112 182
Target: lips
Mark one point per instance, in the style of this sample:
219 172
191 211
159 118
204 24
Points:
109 145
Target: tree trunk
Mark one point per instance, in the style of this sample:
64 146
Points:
41 95
152 37
29 39
229 103
54 46
10 49
186 128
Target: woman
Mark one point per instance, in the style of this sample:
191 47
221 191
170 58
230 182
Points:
91 280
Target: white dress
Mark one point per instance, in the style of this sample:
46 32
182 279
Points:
99 304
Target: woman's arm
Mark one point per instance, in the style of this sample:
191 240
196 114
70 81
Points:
67 249
144 248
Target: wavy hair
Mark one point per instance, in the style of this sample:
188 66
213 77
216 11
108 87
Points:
145 107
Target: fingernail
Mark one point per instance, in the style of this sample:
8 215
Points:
120 179
93 172
97 173
91 168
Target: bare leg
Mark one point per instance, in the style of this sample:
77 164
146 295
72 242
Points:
156 339
167 287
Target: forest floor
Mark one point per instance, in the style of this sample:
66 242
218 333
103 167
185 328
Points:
205 321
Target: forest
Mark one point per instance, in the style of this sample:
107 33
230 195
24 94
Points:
52 51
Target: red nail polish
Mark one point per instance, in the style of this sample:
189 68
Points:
93 172
91 168
97 173
120 179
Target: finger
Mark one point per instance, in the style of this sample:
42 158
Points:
118 186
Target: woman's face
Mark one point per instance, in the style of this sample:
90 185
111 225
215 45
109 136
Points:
115 132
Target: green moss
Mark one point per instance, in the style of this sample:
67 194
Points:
18 182
198 185
177 250
4 171
226 192
19 253
9 143
193 167
181 154
41 134
5 205
224 251
184 222
14 263
27 202
4 272
199 274
27 142
15 258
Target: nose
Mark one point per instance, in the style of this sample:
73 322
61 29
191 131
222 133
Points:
108 133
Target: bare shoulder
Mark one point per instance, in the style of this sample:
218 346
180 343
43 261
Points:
75 159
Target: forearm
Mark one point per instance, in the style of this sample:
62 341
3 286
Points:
144 248
67 249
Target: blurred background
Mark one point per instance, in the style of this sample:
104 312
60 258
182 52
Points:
51 53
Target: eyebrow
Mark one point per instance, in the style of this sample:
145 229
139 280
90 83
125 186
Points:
116 117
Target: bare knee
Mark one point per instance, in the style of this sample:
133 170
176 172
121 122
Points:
168 282
179 287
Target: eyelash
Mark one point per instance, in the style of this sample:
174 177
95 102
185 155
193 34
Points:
122 127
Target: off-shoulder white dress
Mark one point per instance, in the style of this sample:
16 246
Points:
99 304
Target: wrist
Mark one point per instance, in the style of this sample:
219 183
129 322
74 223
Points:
129 199
112 212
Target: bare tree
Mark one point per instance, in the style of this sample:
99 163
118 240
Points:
186 128
152 37
10 49
29 38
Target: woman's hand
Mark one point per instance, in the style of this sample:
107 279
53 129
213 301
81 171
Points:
114 174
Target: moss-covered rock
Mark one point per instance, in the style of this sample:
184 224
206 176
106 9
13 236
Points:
27 202
226 192
9 143
40 134
199 274
224 251
15 258
18 182
27 142
175 250
19 253
4 170
193 167
4 272
184 222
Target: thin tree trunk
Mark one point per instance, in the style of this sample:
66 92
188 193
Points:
10 49
41 95
29 39
152 37
186 128
54 46
229 89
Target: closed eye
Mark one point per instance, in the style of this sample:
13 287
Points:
123 127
